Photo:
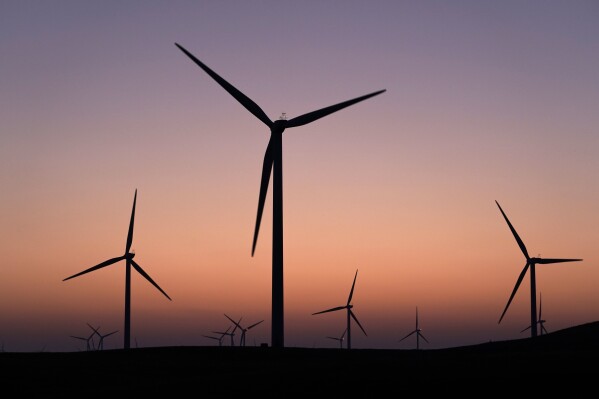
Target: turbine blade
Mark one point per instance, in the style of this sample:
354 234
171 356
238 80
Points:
109 334
415 331
520 278
516 236
95 329
527 328
143 273
544 329
357 321
344 332
98 266
540 306
239 96
314 115
351 293
416 317
266 169
130 233
84 339
331 310
255 324
336 339
234 322
546 261
208 336
422 336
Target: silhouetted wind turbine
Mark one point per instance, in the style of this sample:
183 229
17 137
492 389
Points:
417 331
243 330
540 322
128 257
87 346
219 339
225 333
273 159
350 313
340 339
530 262
88 339
100 346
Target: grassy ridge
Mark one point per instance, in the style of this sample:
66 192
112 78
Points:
558 359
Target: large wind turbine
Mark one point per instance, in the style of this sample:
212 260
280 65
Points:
128 258
540 322
530 263
273 160
243 330
417 331
350 313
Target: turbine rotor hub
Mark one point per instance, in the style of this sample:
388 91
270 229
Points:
279 126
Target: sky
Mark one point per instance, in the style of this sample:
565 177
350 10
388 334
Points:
485 101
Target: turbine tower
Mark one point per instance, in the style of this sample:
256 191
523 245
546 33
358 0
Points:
273 160
530 263
129 262
350 314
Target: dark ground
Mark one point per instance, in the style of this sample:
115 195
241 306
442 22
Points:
565 361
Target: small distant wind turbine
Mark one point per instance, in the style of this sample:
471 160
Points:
226 333
100 346
540 322
87 346
219 339
530 262
243 330
350 314
89 341
340 339
128 258
273 160
417 331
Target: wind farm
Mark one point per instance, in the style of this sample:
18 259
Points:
484 104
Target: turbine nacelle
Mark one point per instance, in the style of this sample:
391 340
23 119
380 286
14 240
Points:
130 255
278 126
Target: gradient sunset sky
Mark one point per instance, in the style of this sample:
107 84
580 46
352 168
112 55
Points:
485 101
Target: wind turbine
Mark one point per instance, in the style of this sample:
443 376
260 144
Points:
340 339
243 330
88 339
540 322
128 258
100 346
225 333
87 346
417 331
273 160
350 313
530 263
219 339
